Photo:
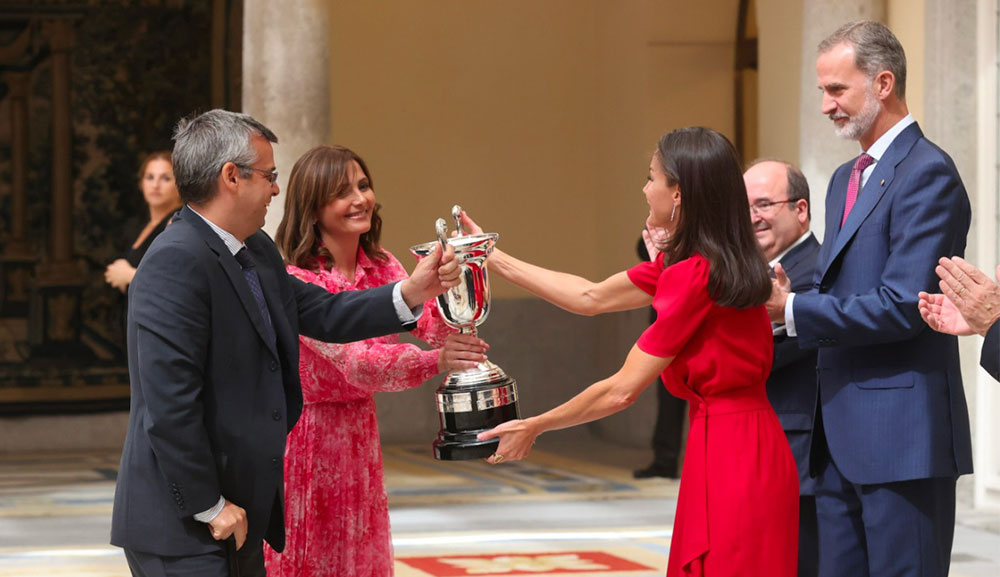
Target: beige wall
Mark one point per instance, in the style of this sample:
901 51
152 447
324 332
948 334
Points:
537 117
779 49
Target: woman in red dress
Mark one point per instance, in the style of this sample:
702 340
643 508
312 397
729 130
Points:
336 511
737 511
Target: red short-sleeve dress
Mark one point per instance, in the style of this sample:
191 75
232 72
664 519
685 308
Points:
738 506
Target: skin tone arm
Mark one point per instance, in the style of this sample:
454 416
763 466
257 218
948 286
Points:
599 400
570 292
969 302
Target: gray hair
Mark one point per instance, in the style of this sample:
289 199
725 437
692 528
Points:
205 142
876 49
798 186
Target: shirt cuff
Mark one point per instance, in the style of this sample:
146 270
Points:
209 515
789 317
406 315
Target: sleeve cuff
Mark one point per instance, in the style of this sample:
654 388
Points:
406 316
209 515
789 316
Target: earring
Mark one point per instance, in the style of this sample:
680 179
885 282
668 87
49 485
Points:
673 211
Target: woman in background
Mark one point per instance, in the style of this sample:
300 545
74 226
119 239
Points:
711 343
159 190
336 510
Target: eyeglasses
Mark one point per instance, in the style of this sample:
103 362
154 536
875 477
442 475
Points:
270 175
766 206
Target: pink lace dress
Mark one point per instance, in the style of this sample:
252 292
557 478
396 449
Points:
336 510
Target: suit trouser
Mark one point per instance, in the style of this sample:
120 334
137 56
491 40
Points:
251 562
808 539
902 529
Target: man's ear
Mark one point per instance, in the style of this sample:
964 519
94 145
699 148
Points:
229 176
885 84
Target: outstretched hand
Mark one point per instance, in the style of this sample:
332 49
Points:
460 352
470 225
516 439
434 274
941 315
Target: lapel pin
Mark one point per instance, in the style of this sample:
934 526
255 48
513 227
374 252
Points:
882 183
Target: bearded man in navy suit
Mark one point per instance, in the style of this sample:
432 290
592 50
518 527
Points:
213 343
892 430
780 213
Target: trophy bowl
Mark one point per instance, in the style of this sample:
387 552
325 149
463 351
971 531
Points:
477 399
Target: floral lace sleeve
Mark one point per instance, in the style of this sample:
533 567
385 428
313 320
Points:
343 372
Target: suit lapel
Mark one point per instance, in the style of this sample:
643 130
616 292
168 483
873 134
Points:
872 192
795 258
234 272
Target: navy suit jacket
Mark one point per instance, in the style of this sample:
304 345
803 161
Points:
211 398
791 388
989 358
891 393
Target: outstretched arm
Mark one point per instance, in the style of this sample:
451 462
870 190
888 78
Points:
567 291
599 400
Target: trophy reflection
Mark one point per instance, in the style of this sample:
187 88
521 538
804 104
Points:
477 399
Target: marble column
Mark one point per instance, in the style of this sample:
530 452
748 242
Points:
950 102
286 80
821 151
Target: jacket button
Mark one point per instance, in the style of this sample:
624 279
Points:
276 415
276 463
274 366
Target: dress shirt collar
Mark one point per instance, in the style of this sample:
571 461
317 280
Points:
232 244
878 148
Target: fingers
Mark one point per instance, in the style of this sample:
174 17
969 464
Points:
462 352
241 534
782 277
967 270
487 435
470 225
449 271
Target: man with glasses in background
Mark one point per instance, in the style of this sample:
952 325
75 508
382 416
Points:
780 213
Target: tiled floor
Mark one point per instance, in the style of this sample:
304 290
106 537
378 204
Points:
572 509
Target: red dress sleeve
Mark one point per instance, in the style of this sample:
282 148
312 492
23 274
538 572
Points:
681 301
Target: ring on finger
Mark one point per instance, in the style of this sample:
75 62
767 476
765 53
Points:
961 291
497 458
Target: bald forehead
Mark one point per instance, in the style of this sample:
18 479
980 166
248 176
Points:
766 179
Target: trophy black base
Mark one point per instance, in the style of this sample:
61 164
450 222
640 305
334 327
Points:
464 412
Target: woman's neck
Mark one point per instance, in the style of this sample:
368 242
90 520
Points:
344 252
156 214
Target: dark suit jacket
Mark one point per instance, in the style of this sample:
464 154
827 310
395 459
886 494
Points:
212 398
891 394
990 356
791 387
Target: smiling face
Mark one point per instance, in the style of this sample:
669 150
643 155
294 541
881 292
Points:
158 186
777 223
349 214
850 98
661 196
256 191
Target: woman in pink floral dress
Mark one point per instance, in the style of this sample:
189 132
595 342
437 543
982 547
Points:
336 511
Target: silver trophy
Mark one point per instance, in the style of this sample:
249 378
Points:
477 399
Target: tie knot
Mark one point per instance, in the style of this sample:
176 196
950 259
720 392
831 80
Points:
243 257
863 162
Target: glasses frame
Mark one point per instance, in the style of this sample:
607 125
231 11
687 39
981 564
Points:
755 209
270 175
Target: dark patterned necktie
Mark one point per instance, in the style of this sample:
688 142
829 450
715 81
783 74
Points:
250 274
854 183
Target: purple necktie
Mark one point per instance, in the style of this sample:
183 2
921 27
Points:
854 183
250 274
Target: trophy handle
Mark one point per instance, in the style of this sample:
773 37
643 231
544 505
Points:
456 213
441 227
